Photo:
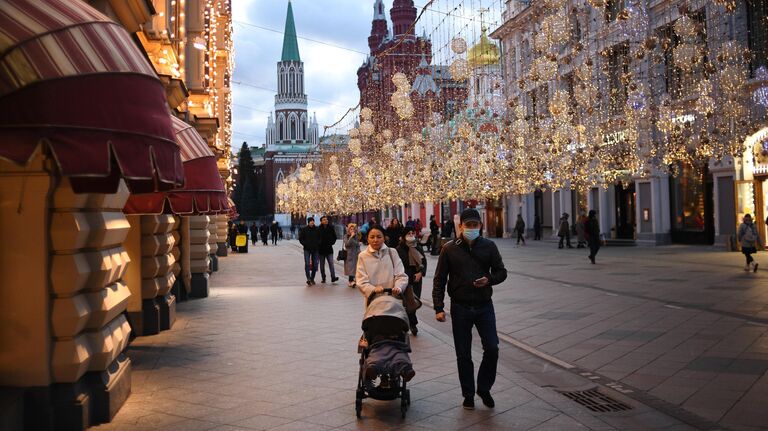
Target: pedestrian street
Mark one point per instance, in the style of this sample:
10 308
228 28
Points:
265 351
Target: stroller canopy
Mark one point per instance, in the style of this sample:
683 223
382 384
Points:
386 311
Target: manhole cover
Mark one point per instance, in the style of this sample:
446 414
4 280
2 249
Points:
596 401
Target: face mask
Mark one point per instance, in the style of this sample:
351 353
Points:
471 234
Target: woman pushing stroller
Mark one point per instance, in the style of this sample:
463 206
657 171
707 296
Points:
382 280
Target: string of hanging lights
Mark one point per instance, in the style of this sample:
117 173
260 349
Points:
590 116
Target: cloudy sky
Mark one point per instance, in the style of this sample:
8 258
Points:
330 72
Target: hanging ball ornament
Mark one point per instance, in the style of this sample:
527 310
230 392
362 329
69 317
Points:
459 45
366 113
366 128
459 69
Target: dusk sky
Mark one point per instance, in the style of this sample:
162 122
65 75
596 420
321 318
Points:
330 72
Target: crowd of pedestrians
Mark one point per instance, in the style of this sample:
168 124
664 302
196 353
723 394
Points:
266 232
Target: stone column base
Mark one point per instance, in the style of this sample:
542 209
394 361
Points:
109 389
167 311
178 290
199 286
214 263
94 399
146 321
222 250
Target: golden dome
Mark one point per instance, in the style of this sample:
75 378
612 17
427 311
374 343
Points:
485 53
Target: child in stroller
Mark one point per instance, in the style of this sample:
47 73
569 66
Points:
385 367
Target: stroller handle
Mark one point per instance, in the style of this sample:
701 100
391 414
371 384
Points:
386 291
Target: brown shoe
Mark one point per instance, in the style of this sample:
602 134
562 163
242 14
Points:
408 374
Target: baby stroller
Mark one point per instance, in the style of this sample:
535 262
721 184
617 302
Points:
384 360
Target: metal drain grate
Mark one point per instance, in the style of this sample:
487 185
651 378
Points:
596 401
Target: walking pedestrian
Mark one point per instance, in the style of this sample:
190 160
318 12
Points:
273 232
434 232
309 237
280 232
232 238
749 239
254 233
264 231
379 268
470 266
415 264
537 228
581 235
520 229
564 232
327 239
351 241
592 231
410 224
293 231
393 233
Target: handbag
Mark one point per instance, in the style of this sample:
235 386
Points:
342 255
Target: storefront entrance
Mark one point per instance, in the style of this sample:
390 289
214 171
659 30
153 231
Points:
495 217
625 210
692 205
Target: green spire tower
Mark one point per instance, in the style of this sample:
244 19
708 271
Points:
290 42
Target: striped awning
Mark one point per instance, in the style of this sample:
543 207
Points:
202 194
73 81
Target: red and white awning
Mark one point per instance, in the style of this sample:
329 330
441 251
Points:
74 81
203 192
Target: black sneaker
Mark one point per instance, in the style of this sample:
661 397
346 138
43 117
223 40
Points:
309 282
469 403
755 270
334 279
323 281
487 399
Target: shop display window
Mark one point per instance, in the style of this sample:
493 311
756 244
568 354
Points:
689 193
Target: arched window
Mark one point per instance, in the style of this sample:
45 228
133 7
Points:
304 127
281 127
293 128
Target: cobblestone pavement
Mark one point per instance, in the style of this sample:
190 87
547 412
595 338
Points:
682 328
267 352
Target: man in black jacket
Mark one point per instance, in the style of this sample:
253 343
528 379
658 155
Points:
327 239
471 265
309 237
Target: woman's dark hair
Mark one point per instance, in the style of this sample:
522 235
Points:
373 228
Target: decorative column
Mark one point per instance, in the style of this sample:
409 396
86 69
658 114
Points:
150 279
213 240
199 259
221 234
87 300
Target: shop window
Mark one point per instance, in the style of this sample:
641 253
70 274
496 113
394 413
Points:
757 20
689 194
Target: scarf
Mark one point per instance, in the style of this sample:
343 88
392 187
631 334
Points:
414 257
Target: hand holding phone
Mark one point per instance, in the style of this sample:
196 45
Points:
481 282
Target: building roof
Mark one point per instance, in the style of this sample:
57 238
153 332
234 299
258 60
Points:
485 53
290 42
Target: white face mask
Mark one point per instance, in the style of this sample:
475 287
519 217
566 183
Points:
410 238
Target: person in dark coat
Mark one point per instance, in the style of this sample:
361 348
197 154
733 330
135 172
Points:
309 237
254 232
434 232
537 228
564 232
264 231
393 233
450 228
415 265
273 232
233 238
592 231
470 266
327 239
520 229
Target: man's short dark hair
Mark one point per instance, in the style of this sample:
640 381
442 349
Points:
310 219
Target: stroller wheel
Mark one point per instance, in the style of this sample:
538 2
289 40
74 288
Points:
358 408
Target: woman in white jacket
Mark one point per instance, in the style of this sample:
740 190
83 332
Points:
379 267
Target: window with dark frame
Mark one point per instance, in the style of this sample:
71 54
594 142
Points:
618 65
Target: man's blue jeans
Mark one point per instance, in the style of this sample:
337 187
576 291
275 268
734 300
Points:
329 259
313 257
463 319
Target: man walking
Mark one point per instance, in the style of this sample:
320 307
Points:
564 232
254 233
327 239
273 232
592 231
520 229
470 266
309 237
